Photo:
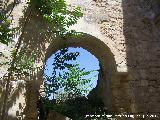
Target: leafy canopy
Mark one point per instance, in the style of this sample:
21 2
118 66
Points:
57 13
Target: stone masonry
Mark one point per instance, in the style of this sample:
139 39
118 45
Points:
125 37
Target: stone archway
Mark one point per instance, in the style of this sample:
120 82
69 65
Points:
115 88
113 84
104 55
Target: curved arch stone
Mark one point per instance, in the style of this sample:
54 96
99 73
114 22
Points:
101 51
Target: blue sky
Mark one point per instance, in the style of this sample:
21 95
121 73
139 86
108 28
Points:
85 60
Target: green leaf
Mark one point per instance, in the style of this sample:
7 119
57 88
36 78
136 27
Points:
57 13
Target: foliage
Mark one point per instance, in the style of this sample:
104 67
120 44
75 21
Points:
24 61
6 28
62 57
6 32
57 13
67 85
54 12
71 79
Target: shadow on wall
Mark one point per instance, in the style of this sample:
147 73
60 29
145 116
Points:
142 35
34 35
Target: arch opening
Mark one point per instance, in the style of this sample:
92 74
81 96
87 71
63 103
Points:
83 78
85 62
101 51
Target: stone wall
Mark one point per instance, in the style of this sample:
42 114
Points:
142 48
124 36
